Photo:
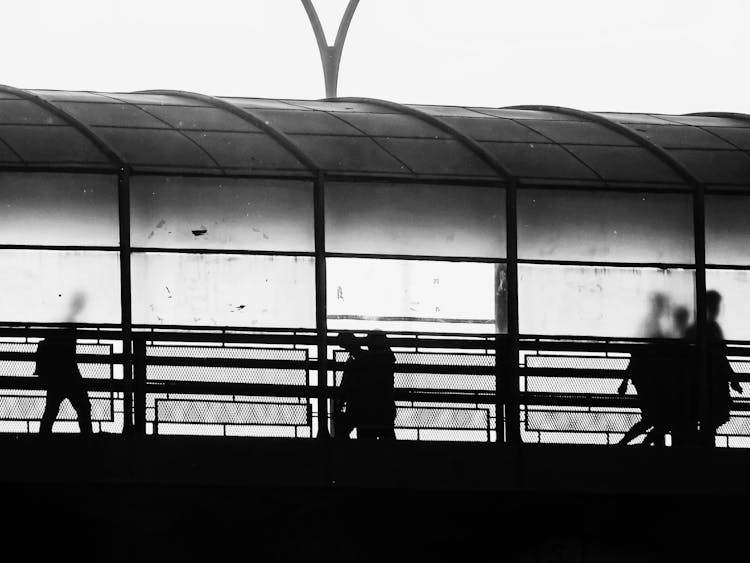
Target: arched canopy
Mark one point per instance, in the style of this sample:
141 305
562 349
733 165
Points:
184 133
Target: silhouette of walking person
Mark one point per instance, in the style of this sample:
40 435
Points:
345 406
679 394
376 412
720 375
57 367
645 370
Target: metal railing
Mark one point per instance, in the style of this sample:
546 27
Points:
269 383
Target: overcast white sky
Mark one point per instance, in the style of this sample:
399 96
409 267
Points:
669 56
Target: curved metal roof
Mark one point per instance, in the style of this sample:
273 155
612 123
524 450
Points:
187 133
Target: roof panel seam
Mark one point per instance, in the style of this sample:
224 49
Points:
725 114
170 128
366 135
552 141
11 149
655 150
105 148
712 133
283 140
469 143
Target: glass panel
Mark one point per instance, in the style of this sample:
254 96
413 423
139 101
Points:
532 160
57 286
578 132
706 121
625 164
605 226
52 144
599 301
305 122
246 151
739 136
348 153
413 295
7 155
23 112
437 157
680 136
728 230
425 220
155 147
201 118
222 214
494 129
361 107
157 99
635 118
446 110
733 286
525 114
392 125
121 114
65 96
223 290
58 209
253 103
717 167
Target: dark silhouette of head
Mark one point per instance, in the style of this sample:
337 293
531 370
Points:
659 302
348 341
377 341
77 304
713 304
681 319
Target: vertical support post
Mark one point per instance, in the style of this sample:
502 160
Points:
702 386
509 384
126 320
139 386
321 311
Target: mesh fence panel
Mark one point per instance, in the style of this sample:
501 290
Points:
189 413
575 390
269 374
228 415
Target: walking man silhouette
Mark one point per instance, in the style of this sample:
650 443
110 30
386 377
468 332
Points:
57 367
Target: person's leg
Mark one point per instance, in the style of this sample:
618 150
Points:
387 433
51 407
656 437
342 426
636 430
367 434
81 404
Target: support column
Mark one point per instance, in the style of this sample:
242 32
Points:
701 382
123 201
321 312
508 385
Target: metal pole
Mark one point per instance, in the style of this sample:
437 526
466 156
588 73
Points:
123 200
321 311
509 383
330 55
702 383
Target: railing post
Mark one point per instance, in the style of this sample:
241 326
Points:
508 385
321 312
139 387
